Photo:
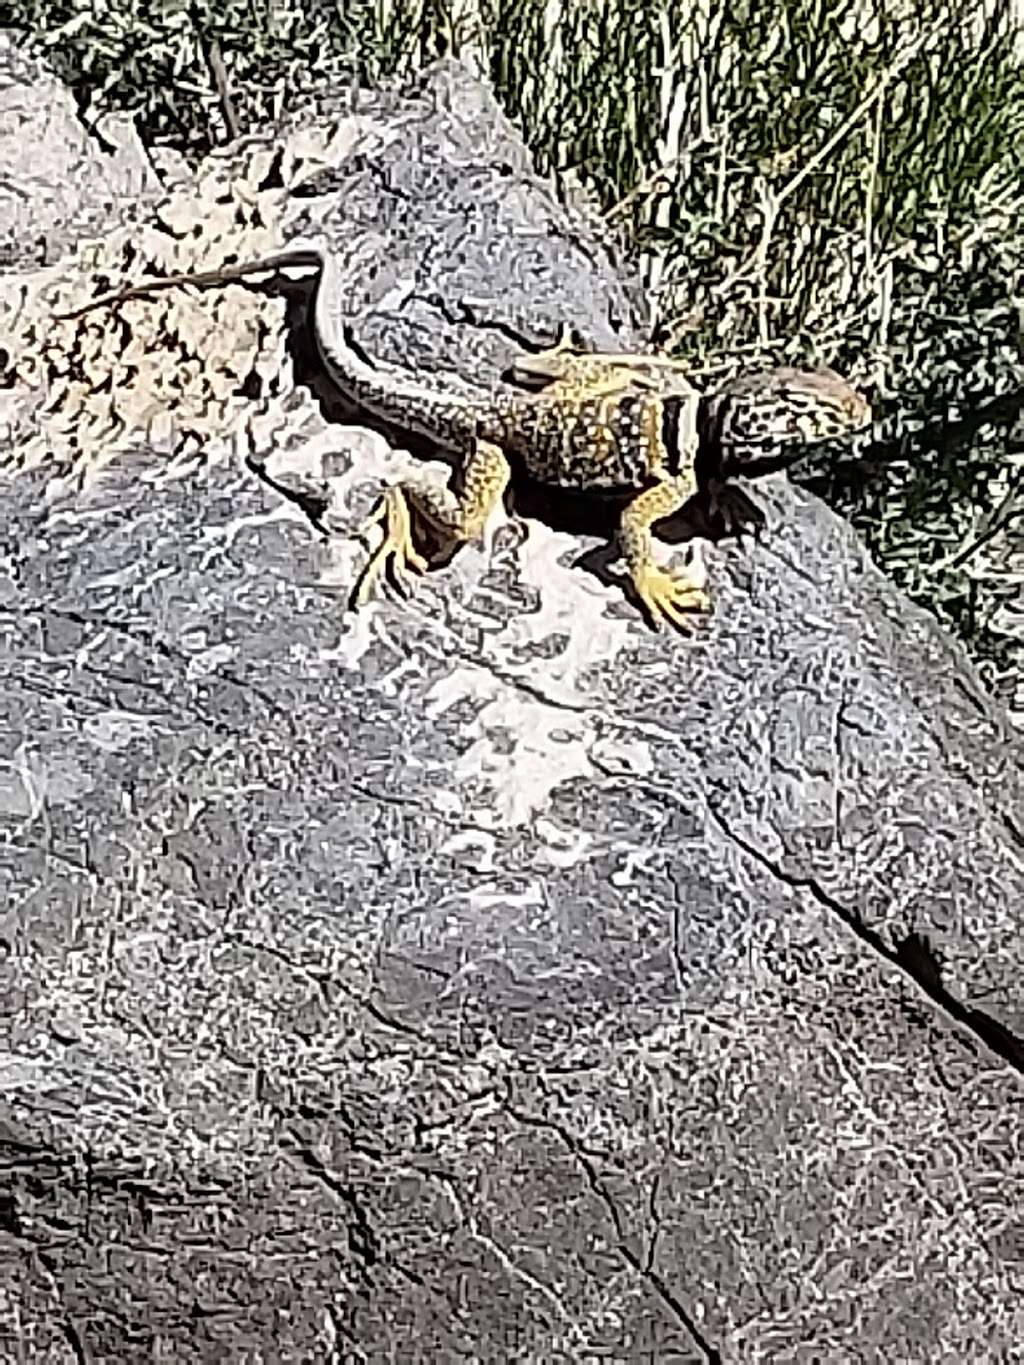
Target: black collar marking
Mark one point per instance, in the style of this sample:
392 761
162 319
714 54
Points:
670 409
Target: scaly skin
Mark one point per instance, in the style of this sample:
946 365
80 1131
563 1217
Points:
600 422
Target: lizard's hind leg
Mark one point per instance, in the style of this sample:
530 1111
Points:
392 513
455 518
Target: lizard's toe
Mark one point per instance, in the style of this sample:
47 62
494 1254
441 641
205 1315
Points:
396 547
670 593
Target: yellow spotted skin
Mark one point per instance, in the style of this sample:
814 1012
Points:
597 372
572 437
594 422
608 422
605 437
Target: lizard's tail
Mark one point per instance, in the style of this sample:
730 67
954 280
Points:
445 409
301 257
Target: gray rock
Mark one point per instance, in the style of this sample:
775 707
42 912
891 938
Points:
483 977
56 181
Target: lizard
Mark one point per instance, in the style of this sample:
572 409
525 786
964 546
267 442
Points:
603 423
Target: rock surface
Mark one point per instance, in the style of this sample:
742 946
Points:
482 977
42 214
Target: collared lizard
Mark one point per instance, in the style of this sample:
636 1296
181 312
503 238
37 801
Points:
599 423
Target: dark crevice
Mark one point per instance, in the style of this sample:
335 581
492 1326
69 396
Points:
913 955
160 647
69 1330
669 1299
458 314
362 1240
74 1340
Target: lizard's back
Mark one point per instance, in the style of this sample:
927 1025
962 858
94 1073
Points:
592 442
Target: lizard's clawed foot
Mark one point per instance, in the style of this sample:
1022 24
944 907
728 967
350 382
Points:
669 593
392 511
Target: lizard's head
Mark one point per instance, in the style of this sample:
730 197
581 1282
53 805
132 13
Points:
763 418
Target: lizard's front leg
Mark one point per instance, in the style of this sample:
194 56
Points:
459 518
664 592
